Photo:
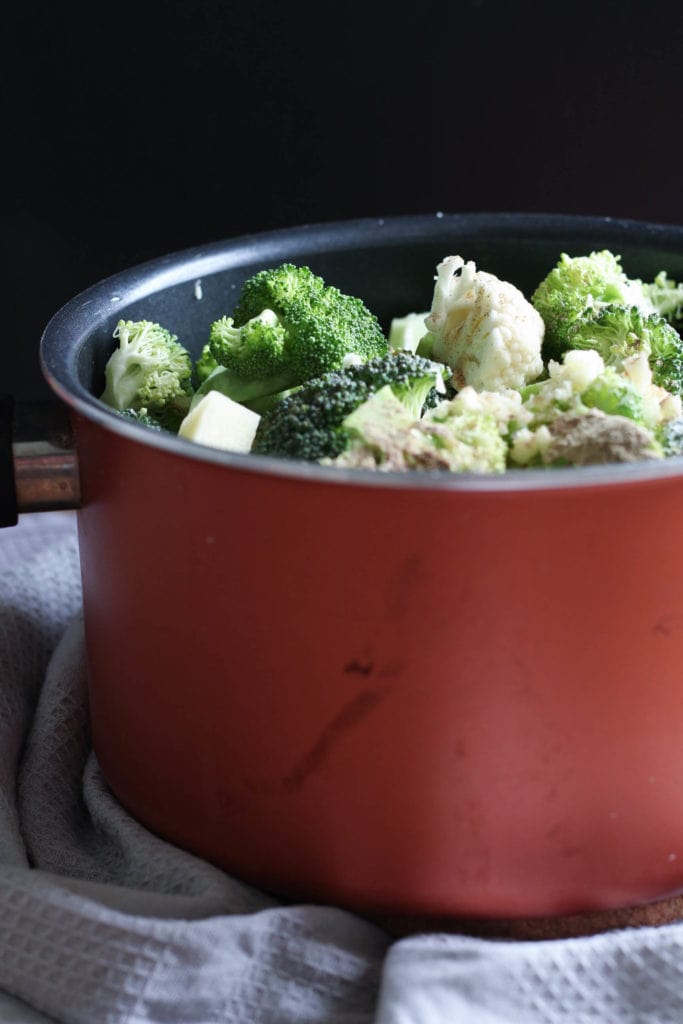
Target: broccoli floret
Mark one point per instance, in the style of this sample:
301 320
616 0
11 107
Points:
242 362
619 332
561 390
288 327
578 284
468 441
377 432
149 370
205 364
254 352
608 397
670 436
384 435
666 295
308 424
616 395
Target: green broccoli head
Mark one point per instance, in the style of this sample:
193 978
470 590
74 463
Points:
289 326
384 435
308 424
284 289
578 284
245 363
205 364
149 370
614 394
618 332
670 436
666 295
254 350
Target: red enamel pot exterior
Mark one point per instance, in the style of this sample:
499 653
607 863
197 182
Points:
449 698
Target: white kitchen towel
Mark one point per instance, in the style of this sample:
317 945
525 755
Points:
630 976
102 922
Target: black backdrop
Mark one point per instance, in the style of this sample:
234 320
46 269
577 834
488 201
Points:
134 130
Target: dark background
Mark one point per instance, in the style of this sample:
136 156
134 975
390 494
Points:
132 131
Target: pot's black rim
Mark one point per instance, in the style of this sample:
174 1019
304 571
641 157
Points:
66 330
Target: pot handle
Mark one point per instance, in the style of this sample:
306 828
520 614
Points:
38 462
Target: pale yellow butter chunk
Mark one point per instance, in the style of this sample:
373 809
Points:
220 422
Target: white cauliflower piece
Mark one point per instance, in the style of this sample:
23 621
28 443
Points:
579 368
659 404
483 328
503 406
567 380
528 445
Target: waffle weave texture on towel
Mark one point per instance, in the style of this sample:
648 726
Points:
102 922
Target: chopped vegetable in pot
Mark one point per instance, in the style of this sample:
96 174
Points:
586 370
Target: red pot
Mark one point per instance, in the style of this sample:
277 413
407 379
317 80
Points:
457 698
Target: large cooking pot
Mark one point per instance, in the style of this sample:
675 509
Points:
458 696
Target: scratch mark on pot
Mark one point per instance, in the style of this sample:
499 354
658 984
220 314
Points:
347 718
666 625
409 578
364 668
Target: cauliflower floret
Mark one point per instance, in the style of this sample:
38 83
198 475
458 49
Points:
503 406
530 446
579 368
483 328
659 404
384 435
565 383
